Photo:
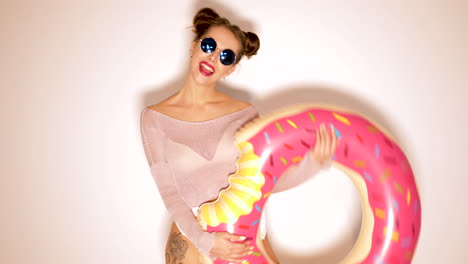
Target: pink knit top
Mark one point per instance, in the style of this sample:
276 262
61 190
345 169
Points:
191 161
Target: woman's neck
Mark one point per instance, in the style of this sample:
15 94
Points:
196 94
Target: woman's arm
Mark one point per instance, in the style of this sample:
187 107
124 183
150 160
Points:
174 202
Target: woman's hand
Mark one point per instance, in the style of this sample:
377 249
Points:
325 145
230 247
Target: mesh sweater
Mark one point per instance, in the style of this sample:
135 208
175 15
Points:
191 161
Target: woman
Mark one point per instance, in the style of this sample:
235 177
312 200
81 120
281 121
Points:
188 141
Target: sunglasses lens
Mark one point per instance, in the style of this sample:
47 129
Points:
208 45
227 57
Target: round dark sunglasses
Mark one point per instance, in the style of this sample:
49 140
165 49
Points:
227 56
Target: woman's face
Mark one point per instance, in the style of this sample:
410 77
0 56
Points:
206 68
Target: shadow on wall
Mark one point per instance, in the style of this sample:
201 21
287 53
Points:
323 94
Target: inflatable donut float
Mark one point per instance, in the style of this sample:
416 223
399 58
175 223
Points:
366 153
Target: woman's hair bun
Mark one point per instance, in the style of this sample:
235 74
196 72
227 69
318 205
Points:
203 20
252 44
205 14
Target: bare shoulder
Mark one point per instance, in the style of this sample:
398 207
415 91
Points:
157 107
164 107
236 105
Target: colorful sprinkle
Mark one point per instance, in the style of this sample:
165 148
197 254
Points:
378 260
359 163
258 208
385 175
311 116
408 255
305 144
379 213
360 138
297 159
396 205
266 194
406 242
272 162
255 222
368 177
388 142
268 174
285 162
288 146
408 197
341 119
278 126
337 132
267 137
257 254
398 187
291 123
372 129
274 179
244 226
346 150
395 235
377 151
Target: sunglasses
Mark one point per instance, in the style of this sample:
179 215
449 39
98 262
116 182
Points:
227 56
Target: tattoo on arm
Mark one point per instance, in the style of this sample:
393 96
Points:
176 248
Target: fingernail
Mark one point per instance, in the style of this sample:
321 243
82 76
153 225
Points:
242 237
251 248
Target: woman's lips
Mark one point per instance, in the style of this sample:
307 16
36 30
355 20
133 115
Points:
206 69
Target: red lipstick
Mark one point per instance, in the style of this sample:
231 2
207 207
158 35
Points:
206 69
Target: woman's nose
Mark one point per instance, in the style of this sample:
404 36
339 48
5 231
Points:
213 55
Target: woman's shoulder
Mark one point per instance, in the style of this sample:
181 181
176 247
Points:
161 108
165 107
236 104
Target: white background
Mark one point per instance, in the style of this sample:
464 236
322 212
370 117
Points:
75 186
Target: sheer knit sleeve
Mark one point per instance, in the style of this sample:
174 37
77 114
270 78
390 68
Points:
181 213
299 173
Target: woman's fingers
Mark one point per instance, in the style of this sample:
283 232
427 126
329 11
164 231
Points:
317 148
234 237
334 139
231 247
325 144
235 247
